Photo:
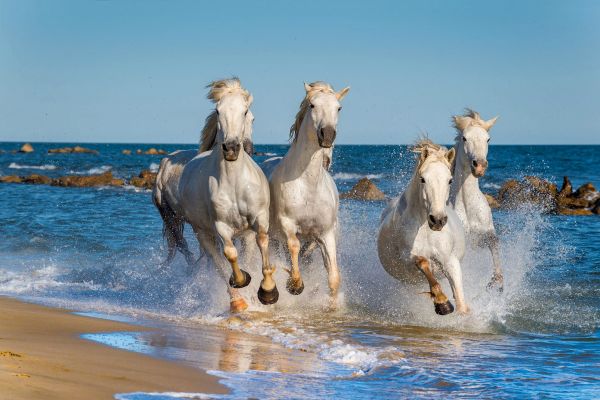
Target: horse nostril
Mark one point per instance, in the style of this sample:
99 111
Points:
432 219
224 146
474 163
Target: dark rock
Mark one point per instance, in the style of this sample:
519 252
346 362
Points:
145 179
566 188
364 190
596 208
36 179
84 181
26 148
531 190
574 211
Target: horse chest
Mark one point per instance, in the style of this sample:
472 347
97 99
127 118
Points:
313 208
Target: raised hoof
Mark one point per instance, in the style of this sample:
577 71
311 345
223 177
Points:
294 289
443 308
268 297
237 306
247 279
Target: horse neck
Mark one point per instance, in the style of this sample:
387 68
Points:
228 169
305 154
413 201
463 180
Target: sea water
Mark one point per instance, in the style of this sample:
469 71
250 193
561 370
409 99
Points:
100 250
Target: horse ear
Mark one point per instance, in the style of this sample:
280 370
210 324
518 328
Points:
424 154
250 100
489 123
450 155
461 123
307 87
342 93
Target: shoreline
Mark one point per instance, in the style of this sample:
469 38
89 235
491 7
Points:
43 356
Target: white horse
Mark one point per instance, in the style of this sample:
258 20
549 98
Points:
304 197
222 193
418 229
166 189
469 203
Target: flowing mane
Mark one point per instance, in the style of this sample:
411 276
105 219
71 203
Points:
469 118
315 87
217 90
429 151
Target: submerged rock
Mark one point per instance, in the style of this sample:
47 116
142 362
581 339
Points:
26 148
36 179
145 179
364 190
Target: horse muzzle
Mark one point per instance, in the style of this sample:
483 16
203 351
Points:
231 150
326 136
478 168
437 223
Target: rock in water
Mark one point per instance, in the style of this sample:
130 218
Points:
104 179
36 179
145 179
364 190
126 152
26 148
493 203
11 179
531 190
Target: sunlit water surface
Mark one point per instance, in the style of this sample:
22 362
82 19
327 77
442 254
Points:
99 250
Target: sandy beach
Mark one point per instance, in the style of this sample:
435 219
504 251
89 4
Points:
43 357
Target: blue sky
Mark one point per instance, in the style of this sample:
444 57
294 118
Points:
135 71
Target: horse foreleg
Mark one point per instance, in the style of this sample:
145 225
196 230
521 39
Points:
208 243
329 250
239 278
294 283
497 276
440 301
267 293
453 272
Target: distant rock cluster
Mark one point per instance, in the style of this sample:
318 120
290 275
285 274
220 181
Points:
144 180
28 148
151 151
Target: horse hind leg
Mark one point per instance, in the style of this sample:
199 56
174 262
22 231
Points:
267 292
441 303
497 279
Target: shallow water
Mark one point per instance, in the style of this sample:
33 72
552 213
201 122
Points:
99 250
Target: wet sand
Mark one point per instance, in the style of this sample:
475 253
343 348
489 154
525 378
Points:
43 357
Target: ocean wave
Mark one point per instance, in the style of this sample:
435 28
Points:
348 176
93 171
14 165
154 167
491 185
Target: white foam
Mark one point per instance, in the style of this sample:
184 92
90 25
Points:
44 167
93 171
491 185
164 396
348 176
154 167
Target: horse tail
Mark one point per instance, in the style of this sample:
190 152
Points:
172 225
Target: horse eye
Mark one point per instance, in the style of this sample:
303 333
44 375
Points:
339 109
217 111
488 140
246 113
422 180
312 105
450 182
464 139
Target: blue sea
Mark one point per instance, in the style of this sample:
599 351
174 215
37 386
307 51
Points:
99 251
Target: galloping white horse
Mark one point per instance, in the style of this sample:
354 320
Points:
222 193
418 229
166 189
469 203
304 198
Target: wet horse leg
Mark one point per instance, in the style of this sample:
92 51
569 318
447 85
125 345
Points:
267 293
440 301
208 243
453 272
329 250
497 277
294 283
239 278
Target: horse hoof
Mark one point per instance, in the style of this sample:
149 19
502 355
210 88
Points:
443 308
268 297
247 279
294 289
237 306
